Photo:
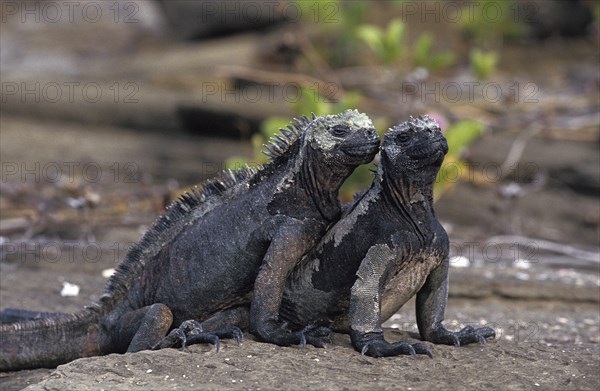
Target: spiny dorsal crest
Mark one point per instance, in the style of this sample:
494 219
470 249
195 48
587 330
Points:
128 270
210 187
419 124
279 144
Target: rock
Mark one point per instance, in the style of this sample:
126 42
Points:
207 18
495 366
563 18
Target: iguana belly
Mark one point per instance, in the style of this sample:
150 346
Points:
405 283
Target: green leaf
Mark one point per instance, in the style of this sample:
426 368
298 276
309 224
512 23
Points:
459 136
442 60
349 101
423 56
393 41
372 36
423 49
271 126
483 64
236 162
462 134
394 36
311 102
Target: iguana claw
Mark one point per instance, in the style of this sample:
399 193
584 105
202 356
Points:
374 345
277 334
191 332
302 340
314 335
465 336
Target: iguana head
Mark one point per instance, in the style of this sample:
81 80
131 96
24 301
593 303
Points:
348 138
317 155
414 149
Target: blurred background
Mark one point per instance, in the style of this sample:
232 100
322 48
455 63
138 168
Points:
109 109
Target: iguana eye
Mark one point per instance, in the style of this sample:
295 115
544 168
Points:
403 137
339 130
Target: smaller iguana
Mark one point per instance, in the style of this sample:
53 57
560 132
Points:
229 243
386 248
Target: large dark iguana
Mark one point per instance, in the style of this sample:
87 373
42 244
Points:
232 242
386 248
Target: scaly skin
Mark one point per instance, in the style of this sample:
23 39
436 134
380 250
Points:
224 246
388 247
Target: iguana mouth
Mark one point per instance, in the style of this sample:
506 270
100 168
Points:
429 150
361 149
426 151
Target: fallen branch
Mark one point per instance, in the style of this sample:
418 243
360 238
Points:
548 246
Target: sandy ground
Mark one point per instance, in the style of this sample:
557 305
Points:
499 365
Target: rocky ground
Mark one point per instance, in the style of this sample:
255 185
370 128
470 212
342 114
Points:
255 366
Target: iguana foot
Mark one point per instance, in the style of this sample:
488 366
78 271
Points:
277 334
465 336
374 345
213 337
316 336
190 332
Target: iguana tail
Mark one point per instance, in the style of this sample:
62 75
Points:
49 342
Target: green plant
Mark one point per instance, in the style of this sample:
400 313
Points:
312 102
424 57
388 45
492 20
336 22
483 64
459 136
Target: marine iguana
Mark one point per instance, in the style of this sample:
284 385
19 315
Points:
231 241
386 248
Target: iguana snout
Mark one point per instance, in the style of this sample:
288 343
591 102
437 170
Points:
415 144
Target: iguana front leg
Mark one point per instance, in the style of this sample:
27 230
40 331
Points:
365 308
431 306
285 251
